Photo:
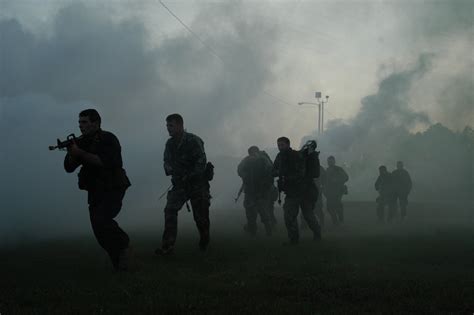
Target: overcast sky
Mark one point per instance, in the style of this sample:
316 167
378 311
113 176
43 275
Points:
270 55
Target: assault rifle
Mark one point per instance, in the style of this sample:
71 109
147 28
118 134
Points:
62 145
239 193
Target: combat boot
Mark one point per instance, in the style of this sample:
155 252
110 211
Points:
268 229
165 250
204 241
124 259
317 235
251 231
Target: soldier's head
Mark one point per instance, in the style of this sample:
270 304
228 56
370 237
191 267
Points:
399 165
310 146
175 125
382 169
331 161
253 150
283 144
89 122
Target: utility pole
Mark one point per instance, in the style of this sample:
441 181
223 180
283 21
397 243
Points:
320 103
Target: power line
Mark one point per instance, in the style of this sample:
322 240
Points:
213 52
191 32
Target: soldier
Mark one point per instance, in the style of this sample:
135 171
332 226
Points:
185 161
384 185
320 182
402 186
272 193
105 180
334 189
256 173
290 168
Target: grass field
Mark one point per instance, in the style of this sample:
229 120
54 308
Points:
423 265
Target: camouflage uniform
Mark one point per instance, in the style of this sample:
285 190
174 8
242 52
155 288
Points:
402 187
384 185
334 189
185 160
256 172
290 167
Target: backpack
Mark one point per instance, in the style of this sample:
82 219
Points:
311 157
312 165
209 172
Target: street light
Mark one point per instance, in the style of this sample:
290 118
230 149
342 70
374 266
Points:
320 105
319 113
322 102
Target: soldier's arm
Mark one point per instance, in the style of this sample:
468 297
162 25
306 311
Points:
267 162
344 176
409 182
276 166
71 163
84 156
199 157
322 176
91 159
240 168
377 184
318 164
167 161
109 153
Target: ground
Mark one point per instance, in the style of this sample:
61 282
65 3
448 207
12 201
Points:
422 265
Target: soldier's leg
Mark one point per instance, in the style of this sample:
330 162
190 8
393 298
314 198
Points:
272 196
392 207
250 205
403 205
175 201
303 223
319 210
340 208
380 208
201 201
263 211
290 209
331 207
104 207
307 210
271 211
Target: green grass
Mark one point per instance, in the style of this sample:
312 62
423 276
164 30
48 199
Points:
425 265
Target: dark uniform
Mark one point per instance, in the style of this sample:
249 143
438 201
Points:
334 189
185 160
402 187
384 185
106 186
272 192
318 208
256 174
320 182
299 190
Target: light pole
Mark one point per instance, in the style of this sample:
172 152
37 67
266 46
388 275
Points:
319 113
320 105
322 102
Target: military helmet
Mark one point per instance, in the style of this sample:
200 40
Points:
310 146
